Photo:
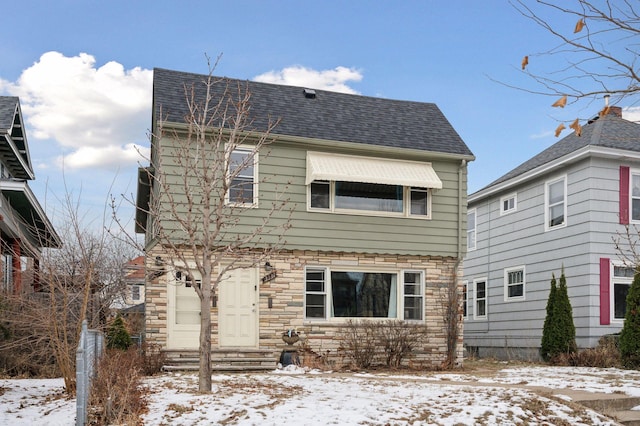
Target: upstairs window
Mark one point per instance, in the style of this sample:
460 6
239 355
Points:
471 229
508 204
368 196
419 202
635 195
242 176
135 292
393 200
367 185
556 203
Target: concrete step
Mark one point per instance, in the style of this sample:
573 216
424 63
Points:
627 417
240 359
618 407
612 402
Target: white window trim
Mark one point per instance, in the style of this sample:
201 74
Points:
326 293
406 205
506 284
546 203
513 195
136 288
465 285
612 296
254 204
631 173
475 230
399 293
475 298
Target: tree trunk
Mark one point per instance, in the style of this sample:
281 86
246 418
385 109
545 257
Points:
204 375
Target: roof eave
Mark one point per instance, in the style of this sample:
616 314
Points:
585 152
48 237
349 147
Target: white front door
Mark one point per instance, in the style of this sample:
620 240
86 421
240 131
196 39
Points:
183 313
238 309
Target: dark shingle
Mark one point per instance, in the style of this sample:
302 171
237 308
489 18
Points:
329 116
7 112
610 131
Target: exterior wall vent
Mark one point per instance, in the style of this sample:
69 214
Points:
309 93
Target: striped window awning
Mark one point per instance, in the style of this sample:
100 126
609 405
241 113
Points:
348 168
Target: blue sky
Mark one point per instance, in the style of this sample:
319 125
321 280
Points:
83 72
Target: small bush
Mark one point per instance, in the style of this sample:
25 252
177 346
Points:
314 359
117 335
559 332
358 342
399 339
151 359
116 396
605 355
371 343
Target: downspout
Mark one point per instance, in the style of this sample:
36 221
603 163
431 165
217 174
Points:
456 268
463 164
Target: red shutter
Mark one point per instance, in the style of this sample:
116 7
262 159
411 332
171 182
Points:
605 285
624 195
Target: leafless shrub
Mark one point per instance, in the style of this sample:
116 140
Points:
399 339
25 344
152 358
358 341
370 343
116 395
605 355
311 358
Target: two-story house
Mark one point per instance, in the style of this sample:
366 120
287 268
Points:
563 208
378 229
24 226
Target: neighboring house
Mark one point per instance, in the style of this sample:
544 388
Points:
378 188
560 209
24 226
132 309
134 281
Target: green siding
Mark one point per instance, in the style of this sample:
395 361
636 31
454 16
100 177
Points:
283 169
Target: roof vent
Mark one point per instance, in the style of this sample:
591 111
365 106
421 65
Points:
309 93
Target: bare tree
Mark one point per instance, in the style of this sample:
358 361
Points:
77 281
596 55
200 194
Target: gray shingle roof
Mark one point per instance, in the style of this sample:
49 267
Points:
14 148
7 112
329 116
610 131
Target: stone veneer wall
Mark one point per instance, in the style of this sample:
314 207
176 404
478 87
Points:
287 311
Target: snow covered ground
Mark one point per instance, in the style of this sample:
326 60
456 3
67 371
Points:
296 396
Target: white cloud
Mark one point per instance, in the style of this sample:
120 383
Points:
95 113
334 80
542 135
631 114
98 114
112 156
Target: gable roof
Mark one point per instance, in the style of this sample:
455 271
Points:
327 115
13 140
610 132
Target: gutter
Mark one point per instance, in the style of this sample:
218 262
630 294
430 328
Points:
581 154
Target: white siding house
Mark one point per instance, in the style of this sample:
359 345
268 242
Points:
562 208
